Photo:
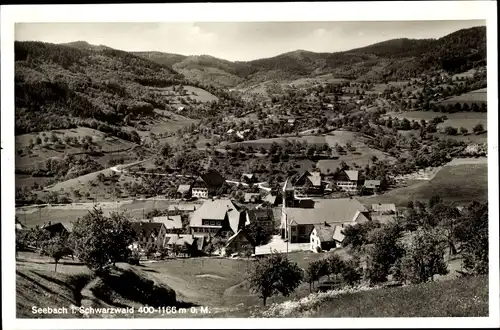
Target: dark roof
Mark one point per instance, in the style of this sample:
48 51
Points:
147 228
256 215
55 228
324 233
240 233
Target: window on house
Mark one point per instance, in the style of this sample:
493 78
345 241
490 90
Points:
302 230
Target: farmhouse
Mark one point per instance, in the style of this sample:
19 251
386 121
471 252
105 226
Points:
240 243
187 244
149 233
321 238
372 184
297 223
347 180
55 229
248 178
264 217
173 223
184 191
309 183
252 198
217 217
199 188
182 208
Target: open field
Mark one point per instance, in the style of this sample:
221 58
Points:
194 93
457 120
455 183
478 96
66 214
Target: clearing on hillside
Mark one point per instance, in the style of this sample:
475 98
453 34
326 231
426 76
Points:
455 183
478 96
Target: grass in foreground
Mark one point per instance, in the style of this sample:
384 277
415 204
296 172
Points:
462 297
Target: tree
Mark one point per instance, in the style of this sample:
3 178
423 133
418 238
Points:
479 128
351 271
315 270
472 233
166 150
56 248
423 256
100 241
275 274
464 131
258 234
448 130
357 235
386 250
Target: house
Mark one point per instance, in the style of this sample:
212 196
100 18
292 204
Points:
297 223
372 184
321 238
240 243
19 226
248 178
338 235
186 244
55 229
383 208
347 180
252 198
149 233
309 183
184 191
180 109
273 200
217 217
199 188
263 216
173 223
182 208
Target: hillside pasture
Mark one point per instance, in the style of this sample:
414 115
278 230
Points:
457 120
477 96
192 92
40 153
461 183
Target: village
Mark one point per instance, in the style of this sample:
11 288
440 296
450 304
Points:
295 218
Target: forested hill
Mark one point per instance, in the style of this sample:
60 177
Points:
393 59
60 86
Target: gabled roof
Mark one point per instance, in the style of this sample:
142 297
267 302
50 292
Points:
249 197
256 215
384 208
353 175
360 217
338 235
324 233
315 180
326 211
170 222
184 188
239 233
270 198
182 207
179 240
217 210
288 185
147 228
372 183
384 218
55 228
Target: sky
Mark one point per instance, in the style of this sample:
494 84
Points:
242 41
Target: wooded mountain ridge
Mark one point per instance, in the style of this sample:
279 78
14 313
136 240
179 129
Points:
394 59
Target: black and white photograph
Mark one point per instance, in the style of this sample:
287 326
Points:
202 168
